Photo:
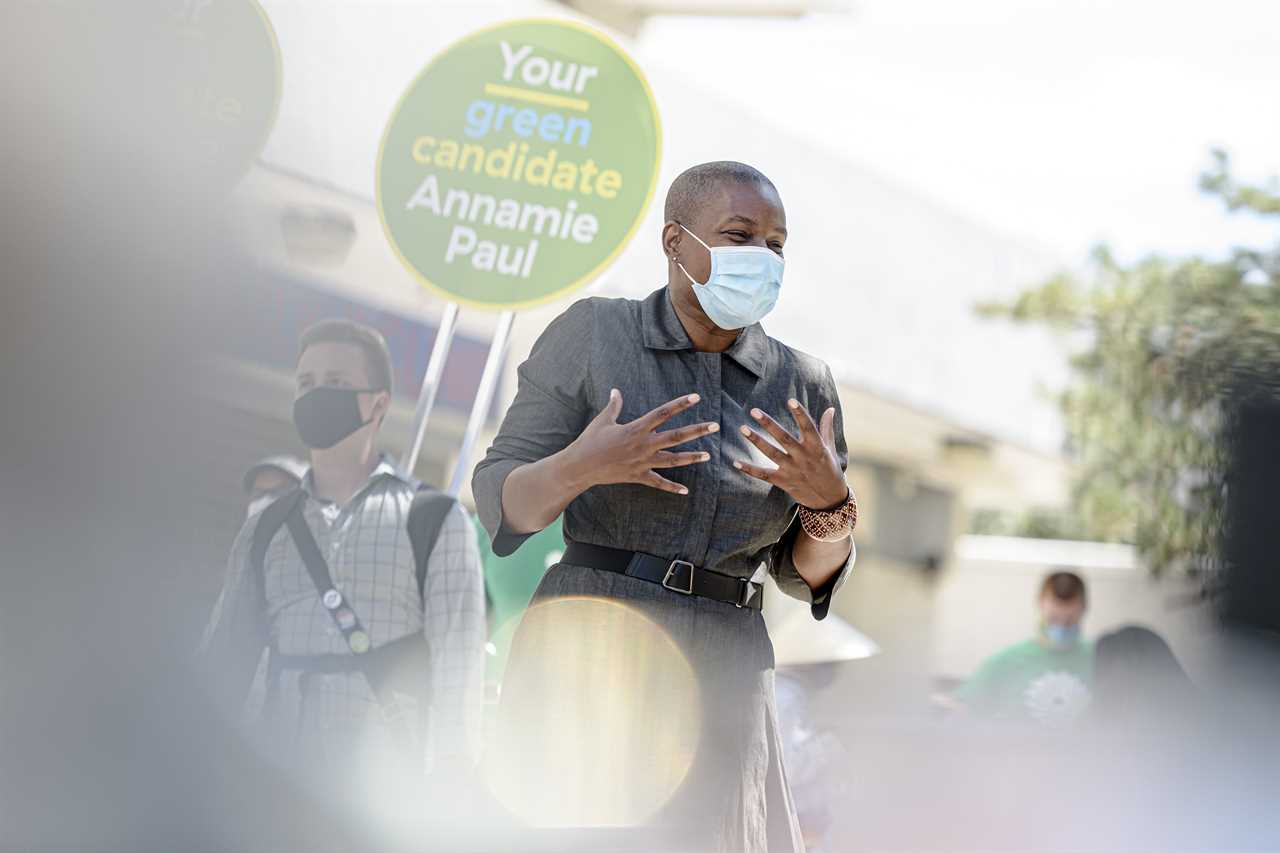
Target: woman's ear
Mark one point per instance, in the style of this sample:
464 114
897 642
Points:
671 241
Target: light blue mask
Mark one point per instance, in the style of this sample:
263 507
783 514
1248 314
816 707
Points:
1061 636
743 285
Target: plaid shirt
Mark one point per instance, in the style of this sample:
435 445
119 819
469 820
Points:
329 718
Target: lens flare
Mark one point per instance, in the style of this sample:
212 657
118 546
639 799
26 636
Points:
599 718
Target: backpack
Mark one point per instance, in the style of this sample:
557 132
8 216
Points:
427 513
384 667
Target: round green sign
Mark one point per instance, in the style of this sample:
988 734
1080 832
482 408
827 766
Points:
518 163
226 81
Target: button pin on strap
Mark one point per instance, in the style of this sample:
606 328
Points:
358 642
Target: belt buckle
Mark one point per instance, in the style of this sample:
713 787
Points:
745 592
671 569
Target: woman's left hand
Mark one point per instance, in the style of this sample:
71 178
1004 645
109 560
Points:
807 466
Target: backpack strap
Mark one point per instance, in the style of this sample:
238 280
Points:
427 513
269 523
270 520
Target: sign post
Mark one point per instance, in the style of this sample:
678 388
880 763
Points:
430 385
514 169
484 398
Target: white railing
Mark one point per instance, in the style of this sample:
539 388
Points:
1053 552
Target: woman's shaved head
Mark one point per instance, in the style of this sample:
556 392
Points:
720 204
694 184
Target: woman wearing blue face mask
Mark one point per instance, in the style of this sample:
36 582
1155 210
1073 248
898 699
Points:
692 455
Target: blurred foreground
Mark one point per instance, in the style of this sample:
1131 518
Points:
121 288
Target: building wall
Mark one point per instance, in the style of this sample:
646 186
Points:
935 628
881 282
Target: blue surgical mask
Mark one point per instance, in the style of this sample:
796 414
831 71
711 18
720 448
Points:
743 285
1061 636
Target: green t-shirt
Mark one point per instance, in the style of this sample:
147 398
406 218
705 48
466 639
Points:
511 582
1029 681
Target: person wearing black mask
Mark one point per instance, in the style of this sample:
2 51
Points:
333 633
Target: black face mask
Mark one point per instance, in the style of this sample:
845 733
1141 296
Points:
325 416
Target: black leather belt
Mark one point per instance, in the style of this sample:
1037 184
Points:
679 576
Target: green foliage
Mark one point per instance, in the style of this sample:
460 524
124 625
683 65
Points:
1159 344
1035 523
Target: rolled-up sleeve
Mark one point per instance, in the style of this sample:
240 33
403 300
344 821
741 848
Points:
782 563
550 410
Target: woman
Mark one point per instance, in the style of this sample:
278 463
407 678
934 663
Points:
680 442
1139 682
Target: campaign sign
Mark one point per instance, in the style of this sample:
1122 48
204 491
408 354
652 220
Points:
225 77
519 163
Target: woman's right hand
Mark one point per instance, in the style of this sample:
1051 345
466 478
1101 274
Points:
610 452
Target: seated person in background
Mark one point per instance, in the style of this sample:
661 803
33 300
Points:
271 477
1139 681
1047 678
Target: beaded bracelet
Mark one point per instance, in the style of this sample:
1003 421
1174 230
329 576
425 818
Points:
831 525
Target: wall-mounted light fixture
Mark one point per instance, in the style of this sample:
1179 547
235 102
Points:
317 236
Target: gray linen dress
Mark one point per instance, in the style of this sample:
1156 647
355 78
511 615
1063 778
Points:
736 797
